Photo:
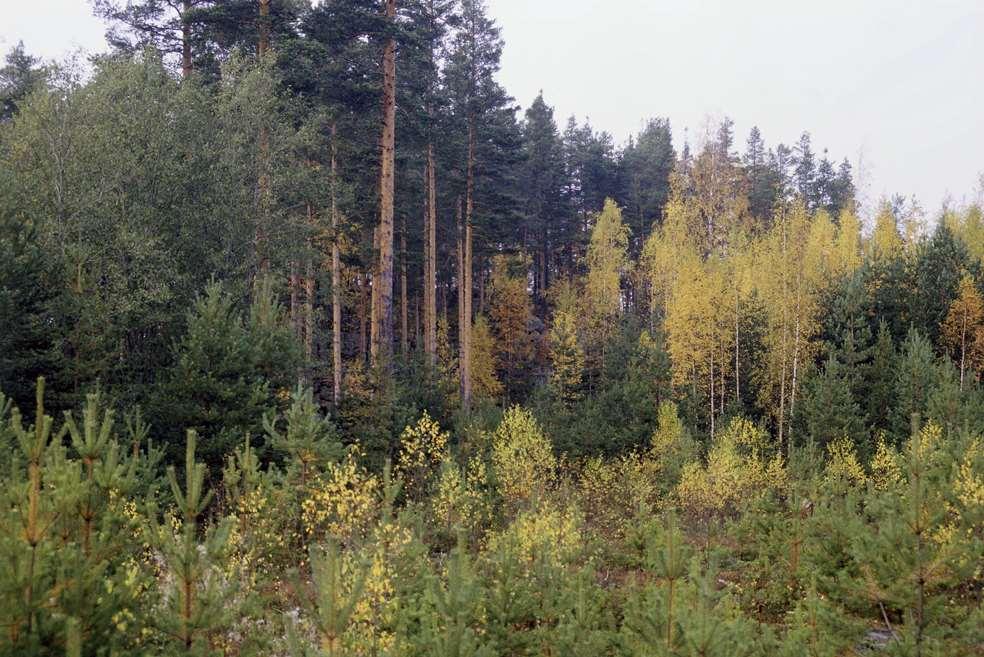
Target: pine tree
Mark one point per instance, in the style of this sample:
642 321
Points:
199 599
817 628
452 628
907 572
382 289
28 294
220 383
476 48
170 27
543 183
937 271
644 178
761 178
19 76
332 607
310 439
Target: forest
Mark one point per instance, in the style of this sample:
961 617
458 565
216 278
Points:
314 342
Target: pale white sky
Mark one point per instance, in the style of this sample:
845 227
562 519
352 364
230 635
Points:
899 80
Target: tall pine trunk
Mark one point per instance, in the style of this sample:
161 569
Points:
185 39
404 327
382 325
308 284
264 191
463 324
466 384
336 280
430 261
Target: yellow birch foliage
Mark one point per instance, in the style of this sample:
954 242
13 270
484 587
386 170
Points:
460 499
665 253
567 357
886 241
848 244
963 328
485 383
790 275
343 504
522 458
544 532
423 447
886 470
968 225
738 470
843 470
607 261
510 312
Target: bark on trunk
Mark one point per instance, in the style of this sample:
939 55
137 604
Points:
712 394
737 343
308 316
185 39
265 200
963 351
336 281
263 44
469 208
463 324
404 326
382 334
293 283
364 311
430 261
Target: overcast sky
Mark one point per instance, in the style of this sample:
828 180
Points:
899 81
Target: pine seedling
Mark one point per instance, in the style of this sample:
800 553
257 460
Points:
309 440
449 631
33 442
242 474
334 603
912 553
145 457
91 442
668 559
584 626
199 604
6 434
817 628
705 630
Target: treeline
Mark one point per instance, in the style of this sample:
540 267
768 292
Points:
237 141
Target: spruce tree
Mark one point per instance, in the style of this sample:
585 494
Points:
830 410
915 377
880 385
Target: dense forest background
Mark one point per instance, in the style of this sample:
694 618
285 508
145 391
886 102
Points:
315 235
